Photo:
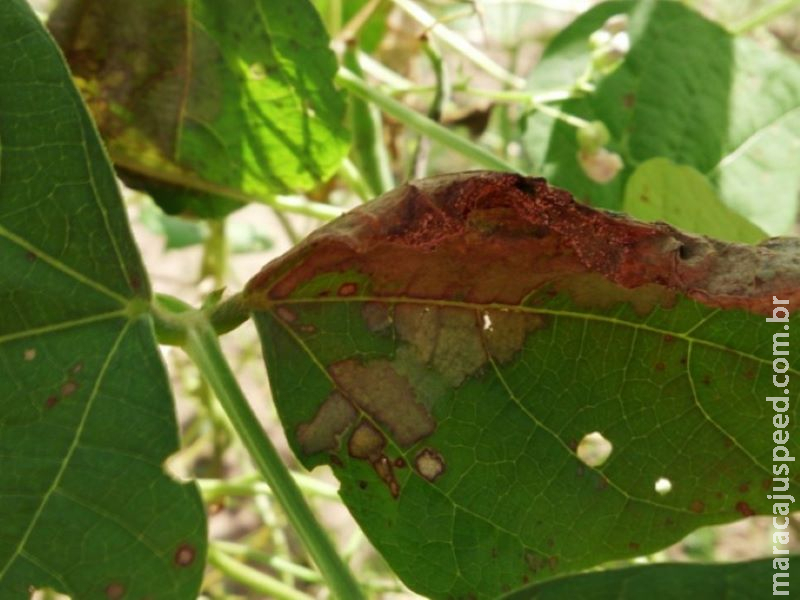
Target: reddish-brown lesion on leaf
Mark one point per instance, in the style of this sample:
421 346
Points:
185 555
486 237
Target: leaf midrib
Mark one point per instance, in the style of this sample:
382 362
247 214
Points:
681 335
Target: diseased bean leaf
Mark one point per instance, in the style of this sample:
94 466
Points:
462 351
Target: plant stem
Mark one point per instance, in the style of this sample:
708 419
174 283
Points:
215 253
252 578
214 489
203 348
421 123
764 16
458 43
243 552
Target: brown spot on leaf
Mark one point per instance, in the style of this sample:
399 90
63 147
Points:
669 338
29 354
659 366
308 328
634 546
286 314
399 463
429 464
383 467
115 591
744 509
552 563
76 368
707 379
69 388
766 484
51 401
629 100
321 433
347 289
184 555
386 396
744 487
362 484
366 442
749 374
697 506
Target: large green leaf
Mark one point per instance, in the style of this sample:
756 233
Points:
449 348
735 581
86 415
206 97
688 91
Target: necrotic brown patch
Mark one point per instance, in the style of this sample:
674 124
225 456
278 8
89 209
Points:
366 442
386 396
321 433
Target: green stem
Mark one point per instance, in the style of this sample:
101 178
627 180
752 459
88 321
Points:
420 123
764 16
214 489
458 43
252 578
243 552
367 126
215 253
203 348
353 177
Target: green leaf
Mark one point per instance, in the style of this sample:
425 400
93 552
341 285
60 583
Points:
449 348
730 111
87 508
660 190
735 581
198 96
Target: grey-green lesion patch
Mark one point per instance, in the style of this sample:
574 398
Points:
504 332
447 338
378 316
386 396
322 433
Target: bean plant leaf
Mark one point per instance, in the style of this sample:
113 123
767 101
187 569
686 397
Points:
731 111
660 190
734 581
453 348
196 97
86 506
